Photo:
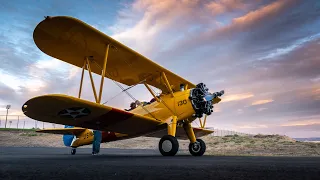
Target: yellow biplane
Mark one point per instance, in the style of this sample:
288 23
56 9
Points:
167 116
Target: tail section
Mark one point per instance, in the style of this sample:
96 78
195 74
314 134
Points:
70 134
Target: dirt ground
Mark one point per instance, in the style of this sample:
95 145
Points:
262 145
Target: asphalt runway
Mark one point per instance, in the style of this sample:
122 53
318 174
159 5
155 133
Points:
57 163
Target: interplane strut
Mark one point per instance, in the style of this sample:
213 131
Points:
87 66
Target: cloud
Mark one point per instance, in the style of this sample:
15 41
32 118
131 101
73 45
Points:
303 123
155 20
252 20
264 101
225 6
252 126
217 109
262 109
286 50
236 97
258 16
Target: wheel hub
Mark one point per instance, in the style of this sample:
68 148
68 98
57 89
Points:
166 146
196 147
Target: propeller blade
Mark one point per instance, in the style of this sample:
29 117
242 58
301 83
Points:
209 97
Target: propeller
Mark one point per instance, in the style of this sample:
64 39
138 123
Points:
202 99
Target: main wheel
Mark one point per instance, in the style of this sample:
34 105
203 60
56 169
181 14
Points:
198 148
168 145
73 151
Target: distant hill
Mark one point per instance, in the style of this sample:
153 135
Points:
308 139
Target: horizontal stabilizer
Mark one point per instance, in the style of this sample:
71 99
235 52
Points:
180 133
71 131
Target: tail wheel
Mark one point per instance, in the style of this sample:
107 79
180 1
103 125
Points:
168 145
73 151
198 148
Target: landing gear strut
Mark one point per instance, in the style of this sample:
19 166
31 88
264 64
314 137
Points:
73 151
169 145
197 147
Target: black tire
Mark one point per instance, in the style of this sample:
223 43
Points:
73 151
168 145
198 148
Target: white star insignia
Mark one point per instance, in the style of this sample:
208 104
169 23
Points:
75 113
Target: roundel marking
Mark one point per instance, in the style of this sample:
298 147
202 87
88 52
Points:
74 112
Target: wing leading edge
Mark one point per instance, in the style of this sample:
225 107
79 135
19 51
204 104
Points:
71 40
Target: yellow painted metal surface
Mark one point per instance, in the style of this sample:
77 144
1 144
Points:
189 130
103 74
172 127
75 42
142 119
46 108
85 138
71 40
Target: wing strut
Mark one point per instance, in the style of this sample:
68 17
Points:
203 124
155 97
167 83
87 66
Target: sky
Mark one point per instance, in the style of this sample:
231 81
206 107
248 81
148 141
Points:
265 54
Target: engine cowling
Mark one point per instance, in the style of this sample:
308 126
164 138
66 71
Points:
201 99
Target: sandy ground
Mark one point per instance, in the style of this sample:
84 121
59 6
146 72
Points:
262 145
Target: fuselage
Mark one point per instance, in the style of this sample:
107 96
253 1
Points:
179 105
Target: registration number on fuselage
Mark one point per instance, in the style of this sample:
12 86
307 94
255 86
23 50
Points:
182 102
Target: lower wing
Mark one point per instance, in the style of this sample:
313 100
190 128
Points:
68 110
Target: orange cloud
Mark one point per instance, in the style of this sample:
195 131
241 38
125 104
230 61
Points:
252 126
316 94
158 16
236 97
216 109
302 123
266 11
222 6
259 102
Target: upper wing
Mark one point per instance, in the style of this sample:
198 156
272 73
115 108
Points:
67 110
71 40
72 131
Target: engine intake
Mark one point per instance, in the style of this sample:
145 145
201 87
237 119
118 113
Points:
201 99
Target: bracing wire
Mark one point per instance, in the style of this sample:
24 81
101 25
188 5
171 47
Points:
125 90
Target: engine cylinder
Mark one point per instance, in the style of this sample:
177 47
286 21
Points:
201 99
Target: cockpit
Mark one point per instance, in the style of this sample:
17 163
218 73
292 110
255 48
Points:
137 103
